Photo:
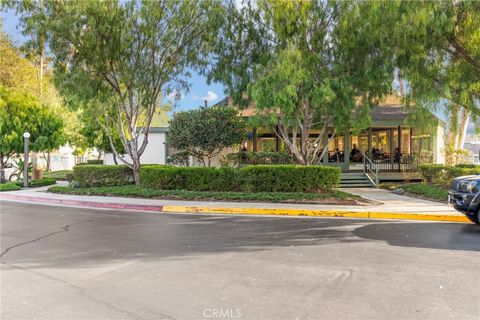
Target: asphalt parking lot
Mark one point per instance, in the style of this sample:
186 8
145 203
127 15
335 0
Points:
67 263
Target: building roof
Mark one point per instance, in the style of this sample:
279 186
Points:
391 108
155 129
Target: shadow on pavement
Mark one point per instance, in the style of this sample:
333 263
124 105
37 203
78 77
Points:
450 236
99 237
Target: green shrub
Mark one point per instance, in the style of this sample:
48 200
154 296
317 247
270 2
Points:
288 178
188 178
442 175
58 175
9 186
95 161
102 175
256 158
70 176
181 159
468 165
267 178
37 183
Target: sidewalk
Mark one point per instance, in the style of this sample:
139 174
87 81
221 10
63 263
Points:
393 206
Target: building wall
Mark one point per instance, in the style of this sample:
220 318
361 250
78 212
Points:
155 152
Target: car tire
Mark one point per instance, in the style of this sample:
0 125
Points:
476 216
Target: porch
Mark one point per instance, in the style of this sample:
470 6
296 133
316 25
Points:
393 150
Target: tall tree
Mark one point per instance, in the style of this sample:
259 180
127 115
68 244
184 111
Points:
131 53
438 53
305 65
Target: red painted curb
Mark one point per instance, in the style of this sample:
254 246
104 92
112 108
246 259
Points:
89 204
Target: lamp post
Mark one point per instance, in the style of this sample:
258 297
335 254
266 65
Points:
26 135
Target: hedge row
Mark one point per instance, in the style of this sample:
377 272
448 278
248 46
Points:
442 175
37 183
188 178
258 158
102 175
267 178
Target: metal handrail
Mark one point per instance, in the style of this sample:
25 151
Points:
367 166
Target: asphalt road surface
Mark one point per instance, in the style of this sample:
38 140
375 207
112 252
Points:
67 263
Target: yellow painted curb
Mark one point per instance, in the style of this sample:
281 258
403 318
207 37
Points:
318 213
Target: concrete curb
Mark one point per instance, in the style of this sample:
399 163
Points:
245 211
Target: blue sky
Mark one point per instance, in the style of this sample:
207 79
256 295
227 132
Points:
199 90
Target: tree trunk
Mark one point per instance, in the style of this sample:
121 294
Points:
115 158
462 129
36 170
136 170
452 126
100 153
48 158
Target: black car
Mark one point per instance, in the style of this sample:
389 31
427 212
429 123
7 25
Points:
465 196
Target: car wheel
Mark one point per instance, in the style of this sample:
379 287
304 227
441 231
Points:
476 216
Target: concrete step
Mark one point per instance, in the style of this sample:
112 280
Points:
355 180
358 185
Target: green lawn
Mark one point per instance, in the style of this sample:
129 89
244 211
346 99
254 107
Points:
429 191
134 191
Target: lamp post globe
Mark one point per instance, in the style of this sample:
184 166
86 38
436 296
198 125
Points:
26 134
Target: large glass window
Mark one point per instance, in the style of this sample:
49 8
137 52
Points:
381 141
405 140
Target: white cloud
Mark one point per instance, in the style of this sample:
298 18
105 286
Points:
211 96
174 95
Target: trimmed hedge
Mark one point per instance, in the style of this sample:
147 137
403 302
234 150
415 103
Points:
442 175
102 175
188 178
95 161
57 175
289 178
267 178
37 183
258 158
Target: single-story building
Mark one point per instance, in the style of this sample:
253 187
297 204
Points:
156 151
388 142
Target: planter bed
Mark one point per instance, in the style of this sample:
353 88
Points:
330 197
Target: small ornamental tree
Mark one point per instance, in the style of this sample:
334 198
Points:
20 113
205 132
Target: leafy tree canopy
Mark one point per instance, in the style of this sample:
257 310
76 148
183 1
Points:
205 132
120 57
305 64
20 112
438 55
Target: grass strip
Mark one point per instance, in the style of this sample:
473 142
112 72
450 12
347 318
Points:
427 190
